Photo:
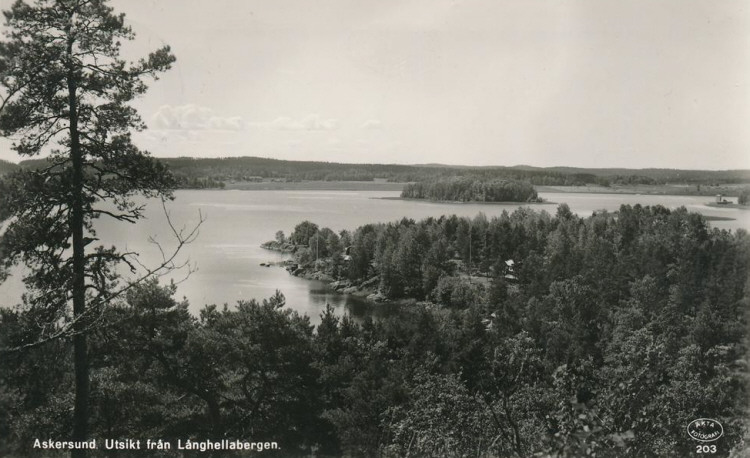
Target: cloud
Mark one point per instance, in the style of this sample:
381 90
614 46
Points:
193 117
163 135
372 124
310 122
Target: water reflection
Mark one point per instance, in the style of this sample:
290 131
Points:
357 307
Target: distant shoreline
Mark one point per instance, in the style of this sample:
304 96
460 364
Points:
728 205
664 190
651 190
314 186
718 218
482 202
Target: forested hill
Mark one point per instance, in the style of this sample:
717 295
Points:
659 176
211 172
255 168
7 167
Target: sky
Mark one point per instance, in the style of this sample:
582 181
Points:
587 83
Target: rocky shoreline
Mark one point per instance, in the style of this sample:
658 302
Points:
274 245
367 289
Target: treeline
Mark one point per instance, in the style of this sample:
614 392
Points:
255 168
660 176
7 167
207 172
471 190
744 196
179 179
616 332
185 182
251 168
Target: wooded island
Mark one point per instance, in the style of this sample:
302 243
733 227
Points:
471 190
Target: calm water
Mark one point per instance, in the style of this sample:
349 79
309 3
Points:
227 252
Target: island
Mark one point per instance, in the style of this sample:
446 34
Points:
466 189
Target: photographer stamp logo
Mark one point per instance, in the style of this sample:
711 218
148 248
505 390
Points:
705 430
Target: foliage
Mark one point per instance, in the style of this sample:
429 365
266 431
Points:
303 232
605 336
7 167
471 190
457 292
744 197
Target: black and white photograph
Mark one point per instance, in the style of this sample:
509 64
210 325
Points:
374 228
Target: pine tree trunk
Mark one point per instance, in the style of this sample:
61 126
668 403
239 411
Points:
80 352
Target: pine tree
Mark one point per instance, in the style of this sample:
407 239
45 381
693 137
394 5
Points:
65 94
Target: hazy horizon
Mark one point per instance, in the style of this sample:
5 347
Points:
577 83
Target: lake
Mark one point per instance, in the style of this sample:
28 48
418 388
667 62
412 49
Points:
227 252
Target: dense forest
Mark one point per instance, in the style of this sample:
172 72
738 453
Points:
599 335
7 167
471 190
606 336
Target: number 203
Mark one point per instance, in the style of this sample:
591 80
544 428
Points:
705 449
